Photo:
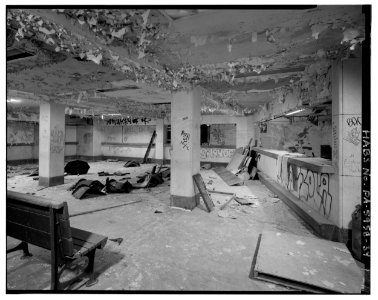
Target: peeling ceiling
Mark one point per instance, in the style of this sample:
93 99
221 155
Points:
130 61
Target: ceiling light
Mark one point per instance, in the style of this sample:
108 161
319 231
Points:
114 114
13 100
294 112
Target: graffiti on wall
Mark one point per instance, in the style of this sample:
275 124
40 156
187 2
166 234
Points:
185 140
352 149
218 135
125 121
309 186
207 153
20 133
56 140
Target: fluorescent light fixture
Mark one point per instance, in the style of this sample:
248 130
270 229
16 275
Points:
295 111
114 115
13 100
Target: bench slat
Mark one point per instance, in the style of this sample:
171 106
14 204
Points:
89 237
34 236
38 201
35 220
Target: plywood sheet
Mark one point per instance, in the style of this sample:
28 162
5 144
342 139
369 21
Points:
307 263
236 162
227 176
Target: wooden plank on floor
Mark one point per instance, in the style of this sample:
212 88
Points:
202 189
227 176
307 263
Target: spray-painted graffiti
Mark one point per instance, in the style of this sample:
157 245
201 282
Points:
125 121
351 156
56 140
207 153
311 187
353 136
185 140
20 133
353 121
218 135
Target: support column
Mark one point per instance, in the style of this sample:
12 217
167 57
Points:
346 137
244 131
159 141
185 160
51 144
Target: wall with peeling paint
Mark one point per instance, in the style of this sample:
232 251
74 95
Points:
299 136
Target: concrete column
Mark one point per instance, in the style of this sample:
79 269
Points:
51 144
346 137
244 131
159 141
97 139
185 160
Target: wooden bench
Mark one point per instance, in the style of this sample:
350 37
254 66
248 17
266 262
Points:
46 224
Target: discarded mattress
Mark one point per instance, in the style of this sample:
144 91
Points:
76 167
85 187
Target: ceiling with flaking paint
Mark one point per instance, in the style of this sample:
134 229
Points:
130 61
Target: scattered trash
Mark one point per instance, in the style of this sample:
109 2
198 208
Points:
114 186
34 173
117 240
244 201
158 212
206 166
131 163
83 187
226 214
210 182
102 173
272 195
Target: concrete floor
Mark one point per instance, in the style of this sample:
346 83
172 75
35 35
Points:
174 250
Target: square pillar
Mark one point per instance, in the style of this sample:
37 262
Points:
185 159
159 141
346 136
51 144
244 131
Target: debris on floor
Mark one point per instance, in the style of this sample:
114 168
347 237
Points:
85 187
226 214
117 240
206 166
131 163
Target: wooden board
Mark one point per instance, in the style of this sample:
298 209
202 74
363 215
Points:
227 176
202 189
236 162
307 263
149 147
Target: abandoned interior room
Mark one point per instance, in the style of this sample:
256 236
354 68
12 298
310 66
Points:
165 149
